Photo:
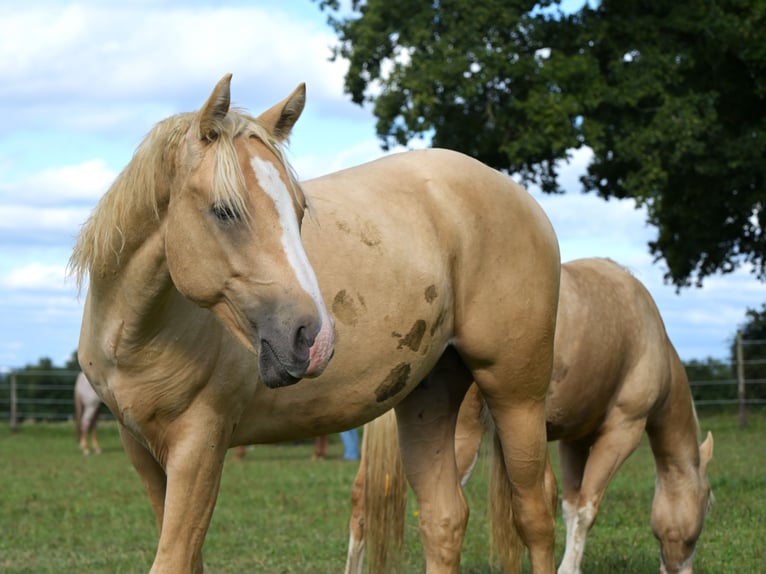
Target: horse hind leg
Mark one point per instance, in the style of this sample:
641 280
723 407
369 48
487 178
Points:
94 440
426 420
356 526
469 432
82 440
379 492
84 443
378 500
92 424
356 542
521 458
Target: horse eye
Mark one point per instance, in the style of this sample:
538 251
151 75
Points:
225 213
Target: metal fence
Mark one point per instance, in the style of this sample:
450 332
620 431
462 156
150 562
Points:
31 395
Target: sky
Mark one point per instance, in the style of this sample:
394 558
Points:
81 83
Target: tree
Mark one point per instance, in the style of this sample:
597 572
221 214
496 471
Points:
669 95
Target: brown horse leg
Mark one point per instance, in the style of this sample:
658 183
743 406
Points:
617 439
468 433
149 470
93 437
520 428
355 556
195 444
81 438
573 456
426 421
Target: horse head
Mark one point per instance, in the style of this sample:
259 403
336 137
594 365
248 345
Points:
232 236
678 513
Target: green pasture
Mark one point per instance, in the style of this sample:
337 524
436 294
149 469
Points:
278 512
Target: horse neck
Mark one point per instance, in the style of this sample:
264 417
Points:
674 431
131 307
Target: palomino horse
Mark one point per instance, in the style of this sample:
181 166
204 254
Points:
200 291
615 375
86 406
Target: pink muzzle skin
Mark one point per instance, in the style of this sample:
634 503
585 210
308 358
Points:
323 348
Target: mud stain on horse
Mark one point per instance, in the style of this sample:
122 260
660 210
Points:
345 308
370 235
431 293
393 383
439 321
414 337
559 371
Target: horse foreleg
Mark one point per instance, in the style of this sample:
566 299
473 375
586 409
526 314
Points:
150 472
427 419
195 445
618 438
572 459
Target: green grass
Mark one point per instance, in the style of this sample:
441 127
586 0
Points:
280 513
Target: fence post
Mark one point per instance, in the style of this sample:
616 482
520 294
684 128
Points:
741 383
14 414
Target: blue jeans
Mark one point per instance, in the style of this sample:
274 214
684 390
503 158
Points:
350 440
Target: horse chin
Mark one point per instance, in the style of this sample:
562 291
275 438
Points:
273 373
685 568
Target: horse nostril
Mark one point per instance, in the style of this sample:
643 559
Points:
304 338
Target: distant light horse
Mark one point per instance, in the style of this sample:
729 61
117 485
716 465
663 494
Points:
615 375
203 311
86 406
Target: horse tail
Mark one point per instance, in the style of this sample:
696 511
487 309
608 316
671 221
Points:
506 545
385 493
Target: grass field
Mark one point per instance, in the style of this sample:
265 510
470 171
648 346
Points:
280 513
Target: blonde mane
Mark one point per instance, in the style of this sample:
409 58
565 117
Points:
140 192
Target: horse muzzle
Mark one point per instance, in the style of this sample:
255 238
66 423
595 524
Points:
306 353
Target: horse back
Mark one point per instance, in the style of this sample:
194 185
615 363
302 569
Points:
611 350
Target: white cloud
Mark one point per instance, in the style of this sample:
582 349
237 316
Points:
133 53
36 276
85 183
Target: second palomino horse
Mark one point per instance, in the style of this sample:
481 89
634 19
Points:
616 375
204 311
86 406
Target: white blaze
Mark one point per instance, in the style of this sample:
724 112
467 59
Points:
270 181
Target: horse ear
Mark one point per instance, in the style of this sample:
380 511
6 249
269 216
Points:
706 452
281 118
215 109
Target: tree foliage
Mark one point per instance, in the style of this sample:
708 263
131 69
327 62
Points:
669 95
